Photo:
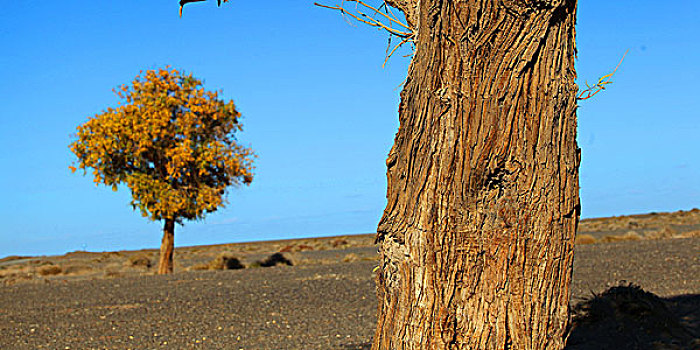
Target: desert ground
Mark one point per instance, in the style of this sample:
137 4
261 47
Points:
636 286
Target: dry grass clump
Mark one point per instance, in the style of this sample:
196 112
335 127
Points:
629 236
351 257
139 260
13 279
585 239
49 270
113 274
15 271
29 270
339 243
78 269
250 248
287 249
225 261
106 256
297 248
663 232
689 234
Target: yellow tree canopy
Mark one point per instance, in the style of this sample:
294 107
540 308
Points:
171 142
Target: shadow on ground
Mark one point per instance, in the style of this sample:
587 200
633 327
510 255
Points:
627 317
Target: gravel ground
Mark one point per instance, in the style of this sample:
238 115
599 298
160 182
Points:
328 306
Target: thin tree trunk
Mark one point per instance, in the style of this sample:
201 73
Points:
167 248
482 204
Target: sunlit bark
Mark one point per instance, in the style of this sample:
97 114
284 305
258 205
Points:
482 203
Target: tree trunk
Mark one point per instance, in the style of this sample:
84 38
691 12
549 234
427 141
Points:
167 248
482 204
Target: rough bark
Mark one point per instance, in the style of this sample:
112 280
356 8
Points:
482 204
167 248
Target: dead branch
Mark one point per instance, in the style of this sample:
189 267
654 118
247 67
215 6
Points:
591 91
381 20
391 53
371 21
185 2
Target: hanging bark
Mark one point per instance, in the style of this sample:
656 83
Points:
482 204
167 248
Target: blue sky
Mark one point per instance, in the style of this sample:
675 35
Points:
319 110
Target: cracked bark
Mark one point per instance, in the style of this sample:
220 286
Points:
167 248
482 201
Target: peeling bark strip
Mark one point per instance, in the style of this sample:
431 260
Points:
477 237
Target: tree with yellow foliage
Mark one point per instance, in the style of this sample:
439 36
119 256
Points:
172 144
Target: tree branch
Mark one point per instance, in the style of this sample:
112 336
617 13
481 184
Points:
409 9
591 91
371 21
385 21
185 2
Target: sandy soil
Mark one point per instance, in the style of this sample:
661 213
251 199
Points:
326 300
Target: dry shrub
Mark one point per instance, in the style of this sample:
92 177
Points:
627 317
664 232
339 243
287 249
79 269
272 260
251 248
225 261
107 256
296 248
633 224
689 234
112 254
297 261
17 270
49 270
351 257
113 274
140 260
585 239
12 279
629 236
304 247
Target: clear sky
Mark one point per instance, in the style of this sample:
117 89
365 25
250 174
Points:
319 110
